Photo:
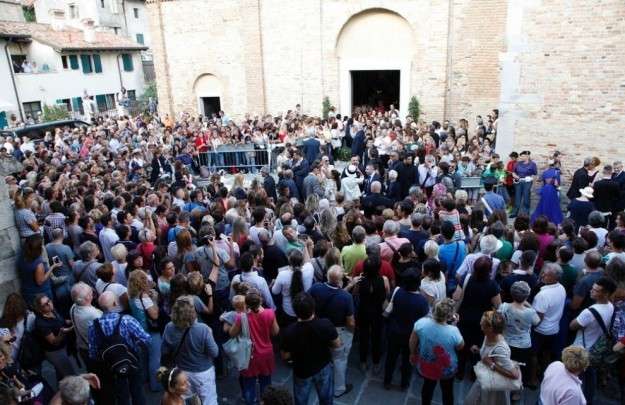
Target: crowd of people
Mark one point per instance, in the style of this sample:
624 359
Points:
141 271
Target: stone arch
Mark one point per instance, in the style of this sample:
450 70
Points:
374 39
208 91
390 29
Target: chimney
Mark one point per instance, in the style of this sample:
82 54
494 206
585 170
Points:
57 18
89 30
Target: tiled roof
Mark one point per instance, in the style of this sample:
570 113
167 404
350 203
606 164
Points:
67 39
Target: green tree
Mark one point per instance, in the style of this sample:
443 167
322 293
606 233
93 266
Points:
325 108
54 113
414 108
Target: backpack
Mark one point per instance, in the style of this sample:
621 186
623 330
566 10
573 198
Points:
396 256
601 354
30 355
114 353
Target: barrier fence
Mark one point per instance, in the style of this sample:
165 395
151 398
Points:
239 157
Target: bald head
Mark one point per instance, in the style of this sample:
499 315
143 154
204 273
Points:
106 301
376 187
335 275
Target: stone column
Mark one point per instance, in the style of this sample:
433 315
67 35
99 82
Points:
9 238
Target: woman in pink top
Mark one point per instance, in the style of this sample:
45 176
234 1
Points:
262 324
561 383
541 229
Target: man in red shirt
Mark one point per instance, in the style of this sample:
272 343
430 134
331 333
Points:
509 181
385 267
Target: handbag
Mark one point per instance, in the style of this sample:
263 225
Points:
490 380
152 324
389 307
239 348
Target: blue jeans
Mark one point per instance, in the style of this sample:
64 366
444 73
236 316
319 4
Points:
153 359
248 386
522 194
323 382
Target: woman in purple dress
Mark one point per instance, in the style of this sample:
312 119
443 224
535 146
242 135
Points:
549 203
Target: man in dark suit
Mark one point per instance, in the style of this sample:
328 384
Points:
374 200
606 193
160 166
371 175
407 174
358 142
269 184
580 180
300 169
618 175
311 145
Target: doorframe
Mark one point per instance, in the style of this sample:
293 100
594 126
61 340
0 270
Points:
345 80
200 103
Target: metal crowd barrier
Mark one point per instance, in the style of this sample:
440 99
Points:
237 157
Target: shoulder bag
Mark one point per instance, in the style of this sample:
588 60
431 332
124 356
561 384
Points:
152 324
169 360
239 348
491 380
389 307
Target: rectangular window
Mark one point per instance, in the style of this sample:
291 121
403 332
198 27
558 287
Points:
17 61
97 63
32 108
132 94
64 102
64 61
136 12
77 105
140 39
110 101
87 66
73 11
127 61
100 100
73 62
102 3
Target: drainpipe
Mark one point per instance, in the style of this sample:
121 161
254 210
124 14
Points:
17 96
119 70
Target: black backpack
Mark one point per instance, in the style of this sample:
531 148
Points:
114 353
30 355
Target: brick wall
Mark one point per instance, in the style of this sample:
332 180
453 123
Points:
477 38
565 80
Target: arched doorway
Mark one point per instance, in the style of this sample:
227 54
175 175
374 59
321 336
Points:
209 93
374 50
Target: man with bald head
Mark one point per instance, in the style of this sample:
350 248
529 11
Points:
124 389
375 199
336 304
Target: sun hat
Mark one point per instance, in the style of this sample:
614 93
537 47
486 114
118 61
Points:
587 192
489 244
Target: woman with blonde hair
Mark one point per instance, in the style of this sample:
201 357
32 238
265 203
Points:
143 304
495 354
197 349
25 218
561 383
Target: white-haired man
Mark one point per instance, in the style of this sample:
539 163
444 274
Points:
392 242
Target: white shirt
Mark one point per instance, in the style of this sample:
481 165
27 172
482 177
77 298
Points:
591 331
283 285
423 174
467 265
561 387
82 316
108 237
435 289
601 234
550 302
115 288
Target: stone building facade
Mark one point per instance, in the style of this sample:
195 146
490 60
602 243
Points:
554 69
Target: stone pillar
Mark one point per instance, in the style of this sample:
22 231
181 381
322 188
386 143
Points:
251 36
9 238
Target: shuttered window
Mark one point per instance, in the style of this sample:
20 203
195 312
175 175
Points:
87 67
97 63
73 62
127 62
